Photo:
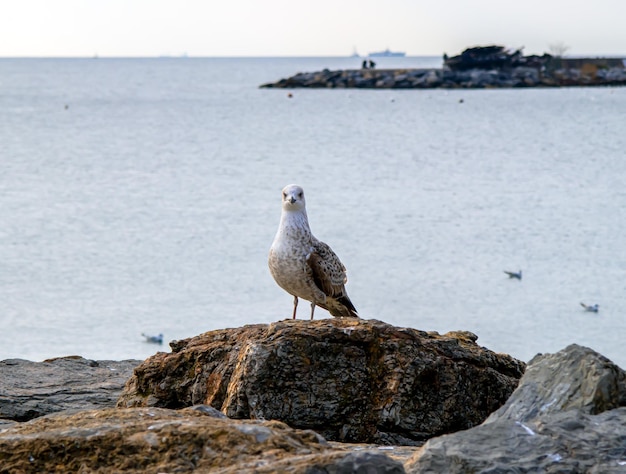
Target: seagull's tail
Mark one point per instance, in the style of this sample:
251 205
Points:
340 307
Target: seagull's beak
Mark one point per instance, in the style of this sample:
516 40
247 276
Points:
292 199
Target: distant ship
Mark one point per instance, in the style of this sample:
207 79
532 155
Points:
387 54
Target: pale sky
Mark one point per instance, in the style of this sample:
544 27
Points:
306 28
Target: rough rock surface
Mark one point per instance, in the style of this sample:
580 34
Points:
152 440
576 378
32 389
349 380
566 416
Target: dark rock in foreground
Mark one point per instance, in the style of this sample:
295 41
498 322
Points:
349 380
32 389
159 440
567 415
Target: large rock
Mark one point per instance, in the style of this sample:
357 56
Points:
576 378
159 440
349 380
32 389
566 415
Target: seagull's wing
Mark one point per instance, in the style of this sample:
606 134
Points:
328 272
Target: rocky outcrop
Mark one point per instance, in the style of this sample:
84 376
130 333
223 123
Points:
567 415
349 380
152 440
32 389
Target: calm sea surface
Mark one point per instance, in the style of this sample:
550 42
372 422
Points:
143 195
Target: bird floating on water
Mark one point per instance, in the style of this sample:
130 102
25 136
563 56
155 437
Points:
517 275
153 339
304 266
593 308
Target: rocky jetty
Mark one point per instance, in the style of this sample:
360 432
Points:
475 68
522 76
350 380
567 414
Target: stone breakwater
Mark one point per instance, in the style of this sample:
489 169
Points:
447 79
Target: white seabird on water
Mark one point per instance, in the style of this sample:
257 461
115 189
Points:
593 308
517 275
304 266
158 339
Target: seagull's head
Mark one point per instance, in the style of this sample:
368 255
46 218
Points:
293 198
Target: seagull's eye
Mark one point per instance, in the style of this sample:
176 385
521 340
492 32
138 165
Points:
300 195
284 195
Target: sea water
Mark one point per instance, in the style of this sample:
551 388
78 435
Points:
142 195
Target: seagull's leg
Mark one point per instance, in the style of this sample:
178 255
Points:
295 306
312 310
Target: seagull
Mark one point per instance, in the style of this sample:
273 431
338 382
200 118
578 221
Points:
304 266
591 308
517 275
154 339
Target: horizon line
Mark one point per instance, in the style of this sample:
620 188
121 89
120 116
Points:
187 56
